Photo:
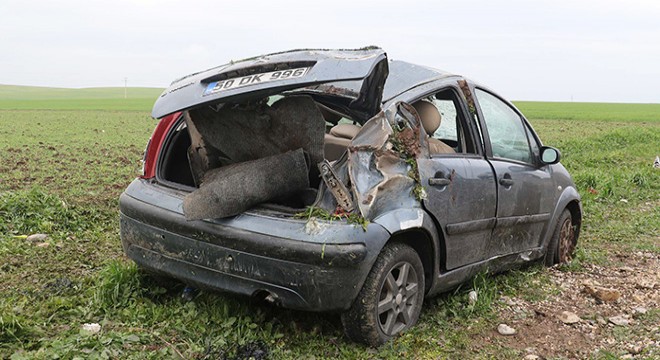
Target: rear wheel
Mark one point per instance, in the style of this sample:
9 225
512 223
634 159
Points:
562 244
391 298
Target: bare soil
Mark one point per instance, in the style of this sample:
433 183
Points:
635 277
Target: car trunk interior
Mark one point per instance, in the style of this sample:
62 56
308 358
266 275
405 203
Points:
232 157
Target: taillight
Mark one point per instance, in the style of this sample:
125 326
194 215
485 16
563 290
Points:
155 144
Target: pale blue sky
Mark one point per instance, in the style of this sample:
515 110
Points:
591 50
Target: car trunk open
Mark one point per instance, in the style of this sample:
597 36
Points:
261 144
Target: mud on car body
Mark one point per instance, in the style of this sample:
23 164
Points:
337 180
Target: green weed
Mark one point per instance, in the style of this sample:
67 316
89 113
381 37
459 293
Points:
10 328
319 213
118 287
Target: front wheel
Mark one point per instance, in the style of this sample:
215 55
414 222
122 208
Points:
562 244
391 298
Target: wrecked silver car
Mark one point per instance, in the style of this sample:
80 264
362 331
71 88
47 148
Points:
341 181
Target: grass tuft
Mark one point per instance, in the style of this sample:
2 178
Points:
118 286
32 211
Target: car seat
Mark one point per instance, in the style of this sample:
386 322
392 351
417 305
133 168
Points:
431 119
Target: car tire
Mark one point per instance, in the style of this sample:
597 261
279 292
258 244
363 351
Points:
562 243
396 282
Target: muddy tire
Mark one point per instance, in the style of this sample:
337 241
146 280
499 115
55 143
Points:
391 298
562 243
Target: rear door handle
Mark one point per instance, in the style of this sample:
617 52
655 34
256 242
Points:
506 180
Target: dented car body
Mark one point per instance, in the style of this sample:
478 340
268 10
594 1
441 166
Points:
337 180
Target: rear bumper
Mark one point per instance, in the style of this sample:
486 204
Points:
322 272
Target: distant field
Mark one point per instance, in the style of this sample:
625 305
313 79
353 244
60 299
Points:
589 111
14 97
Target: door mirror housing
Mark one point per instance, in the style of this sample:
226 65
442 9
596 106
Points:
549 155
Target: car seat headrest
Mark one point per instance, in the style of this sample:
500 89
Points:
429 115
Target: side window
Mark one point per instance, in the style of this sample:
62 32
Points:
532 141
451 130
508 136
447 129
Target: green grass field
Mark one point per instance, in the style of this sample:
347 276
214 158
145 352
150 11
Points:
13 97
589 111
61 173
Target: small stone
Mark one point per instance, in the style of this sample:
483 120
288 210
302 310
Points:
637 298
472 297
639 310
531 357
506 330
42 244
92 328
619 320
36 238
635 349
601 320
603 294
627 269
568 317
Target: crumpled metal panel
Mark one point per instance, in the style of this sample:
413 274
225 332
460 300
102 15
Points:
378 169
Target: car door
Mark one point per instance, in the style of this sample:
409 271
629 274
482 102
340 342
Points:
460 186
524 189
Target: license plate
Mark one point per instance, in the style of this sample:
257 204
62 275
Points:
228 84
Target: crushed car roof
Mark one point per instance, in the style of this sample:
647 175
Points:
404 76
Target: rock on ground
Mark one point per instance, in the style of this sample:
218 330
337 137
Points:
36 238
568 317
506 330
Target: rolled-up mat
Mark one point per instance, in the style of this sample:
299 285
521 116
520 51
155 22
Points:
232 189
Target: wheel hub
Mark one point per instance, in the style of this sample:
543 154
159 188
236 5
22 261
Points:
398 298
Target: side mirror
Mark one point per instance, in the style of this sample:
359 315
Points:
549 155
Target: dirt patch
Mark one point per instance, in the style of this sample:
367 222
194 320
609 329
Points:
626 327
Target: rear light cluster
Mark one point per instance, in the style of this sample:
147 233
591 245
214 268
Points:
154 145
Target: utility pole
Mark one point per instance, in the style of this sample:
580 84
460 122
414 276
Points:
125 87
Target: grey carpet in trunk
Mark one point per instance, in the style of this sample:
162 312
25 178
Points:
232 189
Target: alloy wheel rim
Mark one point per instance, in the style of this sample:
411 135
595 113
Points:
398 299
566 243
